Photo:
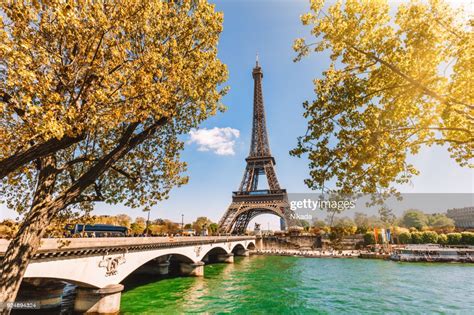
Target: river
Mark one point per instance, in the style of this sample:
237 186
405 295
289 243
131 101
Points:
292 285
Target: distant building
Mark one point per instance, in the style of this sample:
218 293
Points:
463 217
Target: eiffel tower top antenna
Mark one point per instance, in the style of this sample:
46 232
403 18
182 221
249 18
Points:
256 59
259 146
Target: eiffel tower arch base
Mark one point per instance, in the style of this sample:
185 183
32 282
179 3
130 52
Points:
243 209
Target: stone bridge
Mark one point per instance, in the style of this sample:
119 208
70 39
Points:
98 265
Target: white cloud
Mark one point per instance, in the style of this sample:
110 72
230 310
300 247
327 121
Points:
221 141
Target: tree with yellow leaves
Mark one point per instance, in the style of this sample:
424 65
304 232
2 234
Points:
93 97
395 84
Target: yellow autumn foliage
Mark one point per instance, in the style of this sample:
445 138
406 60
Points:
398 81
75 67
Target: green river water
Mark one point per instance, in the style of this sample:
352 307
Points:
292 285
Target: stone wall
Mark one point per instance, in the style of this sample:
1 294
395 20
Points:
307 242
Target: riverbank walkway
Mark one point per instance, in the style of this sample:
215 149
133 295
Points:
309 253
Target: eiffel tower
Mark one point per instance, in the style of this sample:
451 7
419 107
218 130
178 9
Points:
249 202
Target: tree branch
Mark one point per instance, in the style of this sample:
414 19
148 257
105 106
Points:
127 143
13 162
408 78
127 175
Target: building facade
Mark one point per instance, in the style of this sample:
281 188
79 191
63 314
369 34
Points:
463 217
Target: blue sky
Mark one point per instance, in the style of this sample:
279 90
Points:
269 28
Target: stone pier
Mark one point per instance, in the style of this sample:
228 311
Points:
154 268
242 252
192 269
98 301
225 258
164 268
259 243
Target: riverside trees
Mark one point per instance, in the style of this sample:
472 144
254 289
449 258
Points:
93 98
413 218
395 83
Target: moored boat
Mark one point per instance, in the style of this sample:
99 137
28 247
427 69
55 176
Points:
434 253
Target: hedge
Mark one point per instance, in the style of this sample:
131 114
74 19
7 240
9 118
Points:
429 237
416 238
467 238
442 239
404 238
454 238
426 237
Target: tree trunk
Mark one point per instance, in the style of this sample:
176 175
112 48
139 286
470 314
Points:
27 240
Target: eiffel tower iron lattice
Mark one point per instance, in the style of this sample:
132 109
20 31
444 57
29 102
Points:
248 201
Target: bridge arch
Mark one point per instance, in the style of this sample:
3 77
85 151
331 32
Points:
242 249
212 254
251 246
216 250
238 247
141 260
